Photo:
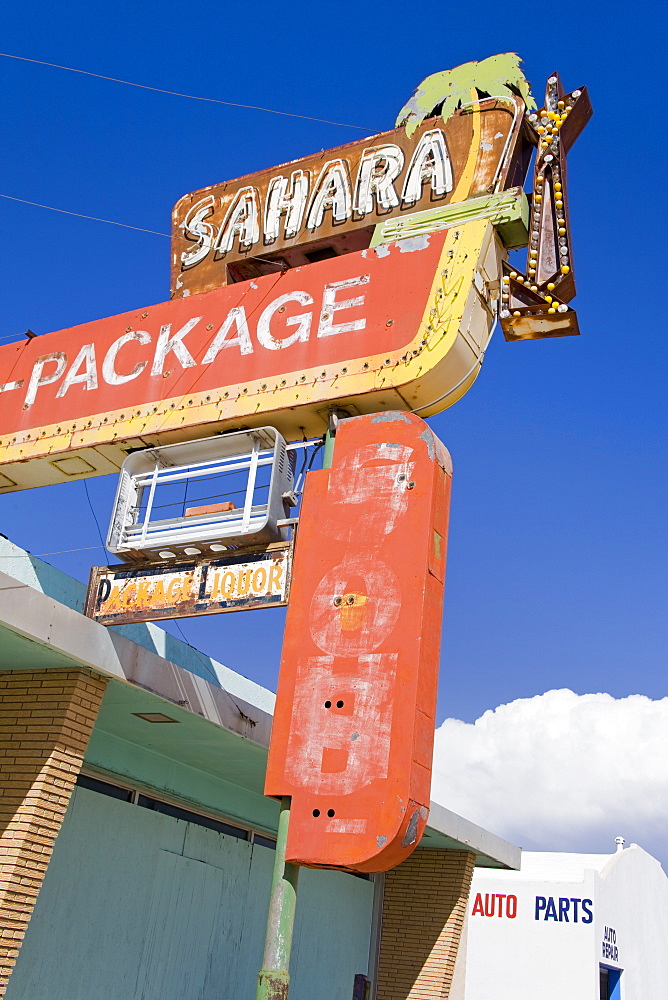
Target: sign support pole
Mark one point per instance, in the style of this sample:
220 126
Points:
273 981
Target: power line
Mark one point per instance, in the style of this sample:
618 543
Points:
190 97
58 552
92 510
92 218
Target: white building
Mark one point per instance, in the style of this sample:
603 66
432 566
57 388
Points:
568 927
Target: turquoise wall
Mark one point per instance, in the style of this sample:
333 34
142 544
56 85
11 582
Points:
190 786
137 905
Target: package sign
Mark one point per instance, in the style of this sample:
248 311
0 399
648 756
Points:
395 327
119 595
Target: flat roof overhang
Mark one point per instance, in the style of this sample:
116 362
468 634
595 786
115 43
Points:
218 750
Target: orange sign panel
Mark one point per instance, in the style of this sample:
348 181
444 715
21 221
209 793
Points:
396 327
354 723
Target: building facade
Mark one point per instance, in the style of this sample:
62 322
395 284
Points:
137 844
569 927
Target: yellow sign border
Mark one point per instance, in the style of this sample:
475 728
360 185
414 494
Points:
445 354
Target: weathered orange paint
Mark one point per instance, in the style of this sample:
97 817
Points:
354 723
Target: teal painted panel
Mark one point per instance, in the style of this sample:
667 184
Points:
193 787
137 905
186 900
84 941
332 931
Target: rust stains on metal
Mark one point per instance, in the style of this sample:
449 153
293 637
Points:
534 304
119 595
325 205
273 984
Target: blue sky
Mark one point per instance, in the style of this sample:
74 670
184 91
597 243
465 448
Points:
556 574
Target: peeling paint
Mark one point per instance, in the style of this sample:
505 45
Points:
414 243
342 745
411 831
382 251
428 439
391 416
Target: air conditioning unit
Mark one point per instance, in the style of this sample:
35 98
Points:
202 497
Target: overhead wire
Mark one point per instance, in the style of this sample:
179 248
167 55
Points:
58 552
129 83
92 510
190 97
92 218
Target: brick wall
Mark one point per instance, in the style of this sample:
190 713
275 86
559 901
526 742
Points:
424 906
46 718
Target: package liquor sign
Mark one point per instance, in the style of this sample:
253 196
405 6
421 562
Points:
118 595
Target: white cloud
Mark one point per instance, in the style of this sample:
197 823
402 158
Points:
561 771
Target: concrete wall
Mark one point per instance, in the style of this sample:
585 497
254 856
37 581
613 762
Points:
536 954
521 958
137 905
632 902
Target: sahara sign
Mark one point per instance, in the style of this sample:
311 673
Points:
366 278
381 329
339 195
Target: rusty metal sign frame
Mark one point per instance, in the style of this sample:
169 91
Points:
208 593
328 203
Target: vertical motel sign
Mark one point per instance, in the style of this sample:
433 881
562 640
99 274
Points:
364 280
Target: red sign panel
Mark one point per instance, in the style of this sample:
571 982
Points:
282 343
354 722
